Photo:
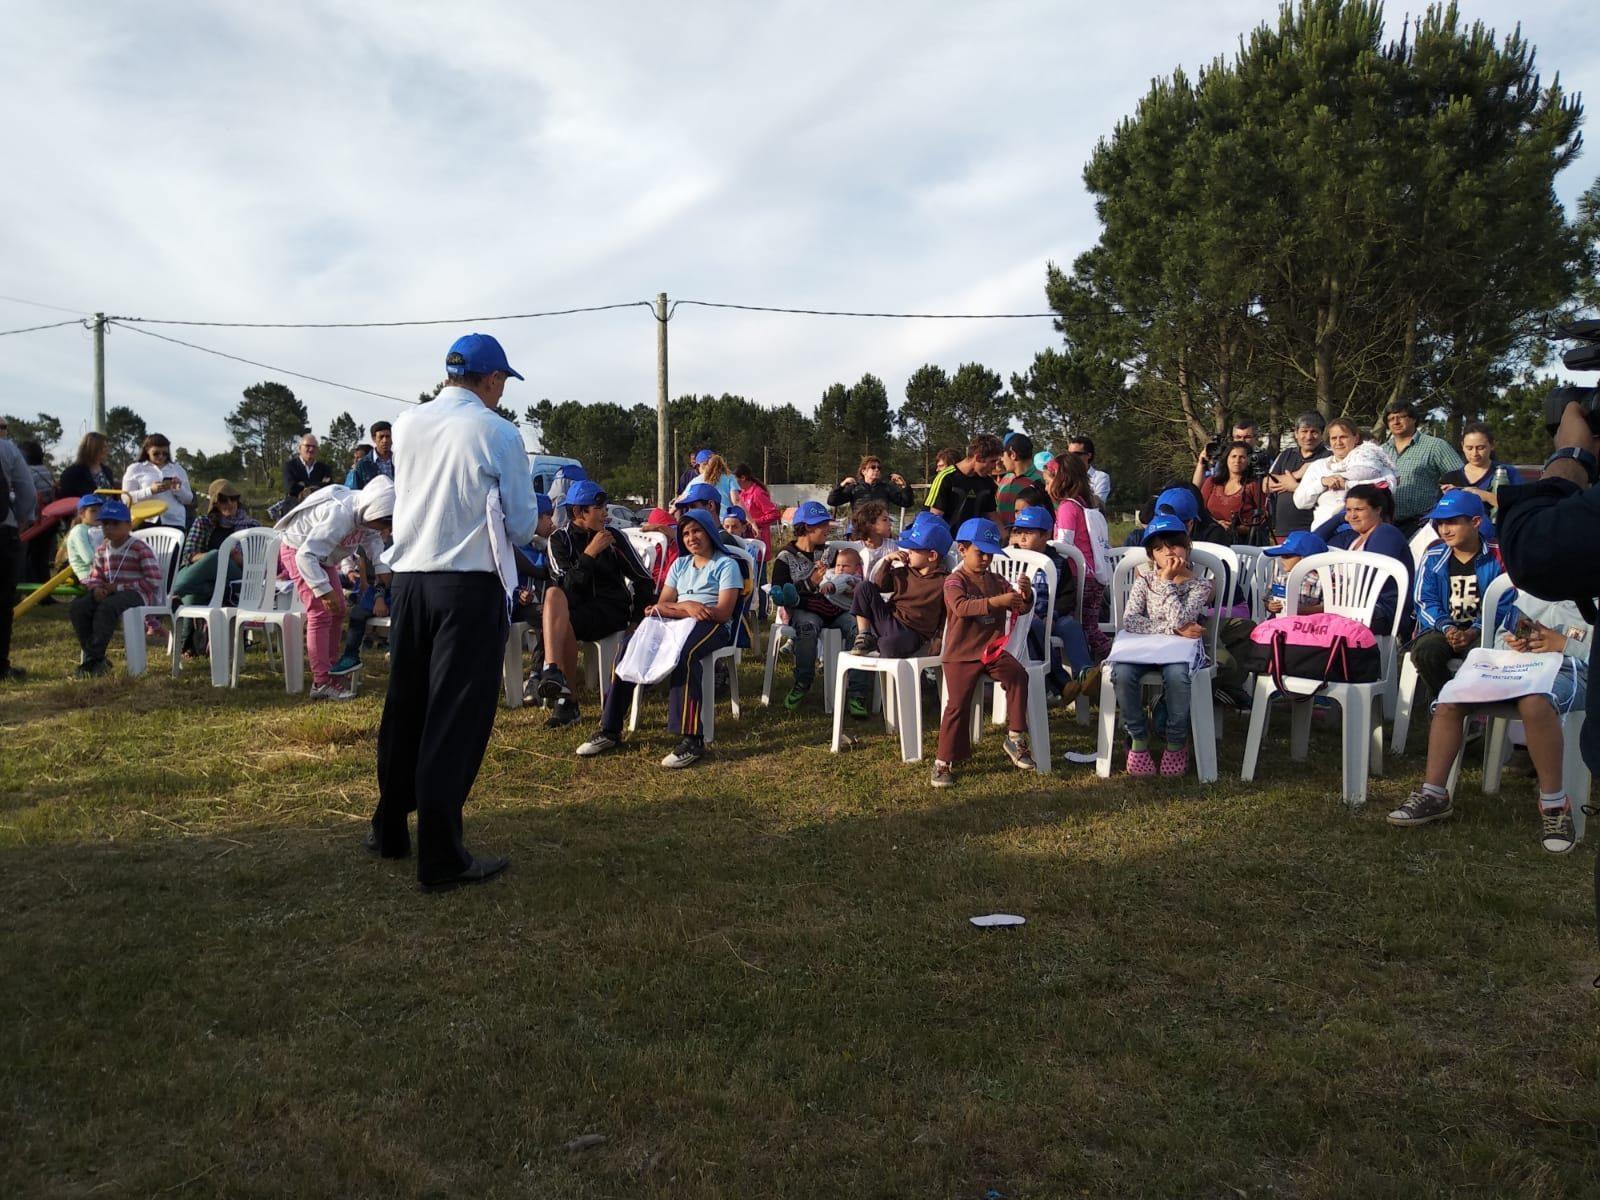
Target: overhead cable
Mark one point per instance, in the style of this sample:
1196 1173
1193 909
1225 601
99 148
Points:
824 312
41 304
557 312
36 328
251 362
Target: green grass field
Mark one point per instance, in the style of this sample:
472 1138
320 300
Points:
757 978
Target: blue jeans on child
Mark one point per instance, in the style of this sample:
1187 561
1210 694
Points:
1075 646
1130 700
808 627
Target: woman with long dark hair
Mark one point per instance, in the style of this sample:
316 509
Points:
1231 493
88 472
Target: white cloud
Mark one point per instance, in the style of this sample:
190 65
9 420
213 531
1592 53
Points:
379 161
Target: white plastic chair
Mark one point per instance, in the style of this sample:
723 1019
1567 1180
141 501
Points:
1351 583
901 683
1114 556
1202 716
1075 559
217 613
166 542
1405 691
1575 777
1017 565
1254 579
733 655
262 603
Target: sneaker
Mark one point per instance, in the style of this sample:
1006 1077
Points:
1090 681
944 775
857 707
331 691
688 752
1232 697
346 665
92 669
1016 748
795 696
1141 762
565 713
553 685
599 744
1420 808
1559 834
1054 695
1175 763
866 643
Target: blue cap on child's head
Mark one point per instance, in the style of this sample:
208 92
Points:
981 533
115 510
1034 517
703 456
1302 543
545 505
1166 523
698 493
734 513
1180 503
927 535
811 513
583 493
90 501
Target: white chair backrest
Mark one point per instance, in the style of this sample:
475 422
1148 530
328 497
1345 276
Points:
1498 587
259 577
1255 577
234 541
1230 559
166 542
649 545
1205 565
1420 541
1075 562
1029 565
1352 582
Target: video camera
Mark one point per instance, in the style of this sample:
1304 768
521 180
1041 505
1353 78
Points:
1585 357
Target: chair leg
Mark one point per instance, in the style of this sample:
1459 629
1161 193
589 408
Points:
771 667
133 646
1202 731
1494 744
1455 768
1574 772
838 713
294 653
1405 698
908 710
708 706
733 683
1038 722
1300 728
511 665
1260 709
1108 726
1357 720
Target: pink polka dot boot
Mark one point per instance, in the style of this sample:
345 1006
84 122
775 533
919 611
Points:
1174 763
1141 762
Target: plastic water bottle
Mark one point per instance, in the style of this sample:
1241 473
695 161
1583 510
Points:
1501 478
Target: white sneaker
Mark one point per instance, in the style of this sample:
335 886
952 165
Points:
331 691
1559 834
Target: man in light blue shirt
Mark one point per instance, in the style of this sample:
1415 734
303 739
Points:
463 497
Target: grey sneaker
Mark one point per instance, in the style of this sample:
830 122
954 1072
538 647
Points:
1420 808
1016 749
944 774
866 643
599 744
1559 834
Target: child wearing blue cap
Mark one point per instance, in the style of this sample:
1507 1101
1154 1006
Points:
1166 598
977 603
126 574
1299 544
736 522
799 567
913 575
85 535
1074 671
1451 581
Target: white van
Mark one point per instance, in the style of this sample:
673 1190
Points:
544 468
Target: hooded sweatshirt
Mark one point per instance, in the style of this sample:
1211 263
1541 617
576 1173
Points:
327 525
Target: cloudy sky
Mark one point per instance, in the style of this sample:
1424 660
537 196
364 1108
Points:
375 160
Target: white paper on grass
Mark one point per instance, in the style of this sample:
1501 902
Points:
993 919
1491 676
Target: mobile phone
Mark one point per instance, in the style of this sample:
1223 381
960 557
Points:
1524 628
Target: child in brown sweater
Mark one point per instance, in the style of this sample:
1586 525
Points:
913 575
976 604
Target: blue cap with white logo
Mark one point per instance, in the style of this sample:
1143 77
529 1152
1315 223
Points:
1034 517
811 513
734 513
698 493
1299 544
115 510
571 471
1180 503
1457 502
1165 523
584 492
477 354
927 535
982 533
90 501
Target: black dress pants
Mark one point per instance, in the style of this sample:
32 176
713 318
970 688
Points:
10 565
447 638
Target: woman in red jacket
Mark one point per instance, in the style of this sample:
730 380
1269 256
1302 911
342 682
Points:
753 497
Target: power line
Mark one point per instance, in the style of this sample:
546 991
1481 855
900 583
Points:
41 304
556 312
251 362
36 328
823 312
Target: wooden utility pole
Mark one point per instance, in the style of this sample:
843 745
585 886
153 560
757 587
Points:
100 372
766 464
663 470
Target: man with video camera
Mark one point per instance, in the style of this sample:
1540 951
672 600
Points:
1550 530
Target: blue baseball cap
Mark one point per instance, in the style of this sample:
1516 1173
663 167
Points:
1299 544
477 354
1034 517
811 513
585 491
89 501
703 456
982 533
927 535
544 504
699 493
571 471
734 513
1178 502
1165 523
115 510
1457 502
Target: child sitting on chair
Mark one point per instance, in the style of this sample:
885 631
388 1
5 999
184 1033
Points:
913 575
126 574
844 573
1166 598
870 525
735 521
85 535
976 604
1299 544
797 575
1030 530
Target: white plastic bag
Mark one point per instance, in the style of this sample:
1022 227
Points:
654 649
1495 676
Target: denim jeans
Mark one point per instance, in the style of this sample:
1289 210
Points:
1130 700
1075 645
808 627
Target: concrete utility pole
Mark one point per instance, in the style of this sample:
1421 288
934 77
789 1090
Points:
663 469
100 372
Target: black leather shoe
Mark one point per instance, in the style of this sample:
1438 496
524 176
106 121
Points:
479 870
371 845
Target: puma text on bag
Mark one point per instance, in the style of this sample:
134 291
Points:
1319 646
